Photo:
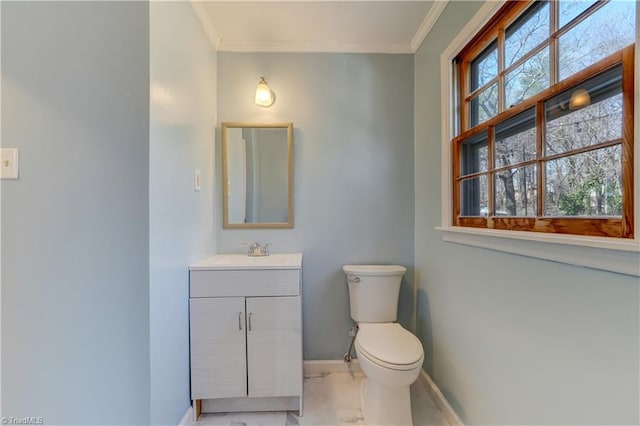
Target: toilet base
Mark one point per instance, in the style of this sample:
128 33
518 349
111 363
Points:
384 405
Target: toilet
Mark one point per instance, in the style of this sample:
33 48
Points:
390 356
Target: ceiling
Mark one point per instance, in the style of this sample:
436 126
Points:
318 26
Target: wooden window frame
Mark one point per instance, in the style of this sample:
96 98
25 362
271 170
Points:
610 226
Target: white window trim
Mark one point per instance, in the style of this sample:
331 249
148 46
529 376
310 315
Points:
619 255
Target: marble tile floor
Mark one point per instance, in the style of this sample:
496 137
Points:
330 400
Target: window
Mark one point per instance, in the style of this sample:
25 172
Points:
545 143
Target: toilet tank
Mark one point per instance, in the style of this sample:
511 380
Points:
374 291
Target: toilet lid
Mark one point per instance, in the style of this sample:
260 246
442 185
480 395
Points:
389 343
374 270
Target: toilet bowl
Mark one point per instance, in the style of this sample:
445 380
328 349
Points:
391 358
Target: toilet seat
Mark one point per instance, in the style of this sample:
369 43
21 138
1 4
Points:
389 345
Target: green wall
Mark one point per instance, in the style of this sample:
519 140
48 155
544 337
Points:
352 117
75 226
512 339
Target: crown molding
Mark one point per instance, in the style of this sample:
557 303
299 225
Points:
207 25
428 23
304 47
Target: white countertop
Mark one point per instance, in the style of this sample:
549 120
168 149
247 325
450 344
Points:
242 261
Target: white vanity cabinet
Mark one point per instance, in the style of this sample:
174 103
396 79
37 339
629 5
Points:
218 341
246 333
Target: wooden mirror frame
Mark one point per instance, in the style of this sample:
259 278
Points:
225 175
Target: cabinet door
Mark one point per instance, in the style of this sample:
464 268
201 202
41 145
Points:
274 346
218 347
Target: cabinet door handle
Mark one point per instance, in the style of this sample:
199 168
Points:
250 314
239 320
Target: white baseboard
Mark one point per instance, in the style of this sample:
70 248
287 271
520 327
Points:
440 400
187 419
320 367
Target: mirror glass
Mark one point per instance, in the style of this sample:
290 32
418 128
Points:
257 175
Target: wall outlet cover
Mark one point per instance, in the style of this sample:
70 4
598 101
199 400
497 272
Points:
9 163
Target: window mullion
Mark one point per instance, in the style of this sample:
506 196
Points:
464 89
481 89
501 62
456 183
540 166
628 63
491 135
554 62
524 58
583 149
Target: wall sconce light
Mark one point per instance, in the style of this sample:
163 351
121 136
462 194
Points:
579 98
264 95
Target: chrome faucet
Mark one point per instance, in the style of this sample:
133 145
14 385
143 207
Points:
256 250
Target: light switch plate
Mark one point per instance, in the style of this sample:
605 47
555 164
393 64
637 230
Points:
196 180
9 163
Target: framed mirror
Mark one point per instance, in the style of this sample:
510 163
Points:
257 175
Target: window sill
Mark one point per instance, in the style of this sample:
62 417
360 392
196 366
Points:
607 254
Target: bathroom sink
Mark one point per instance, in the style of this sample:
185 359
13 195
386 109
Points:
242 261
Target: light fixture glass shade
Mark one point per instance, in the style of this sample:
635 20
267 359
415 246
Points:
579 98
264 95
